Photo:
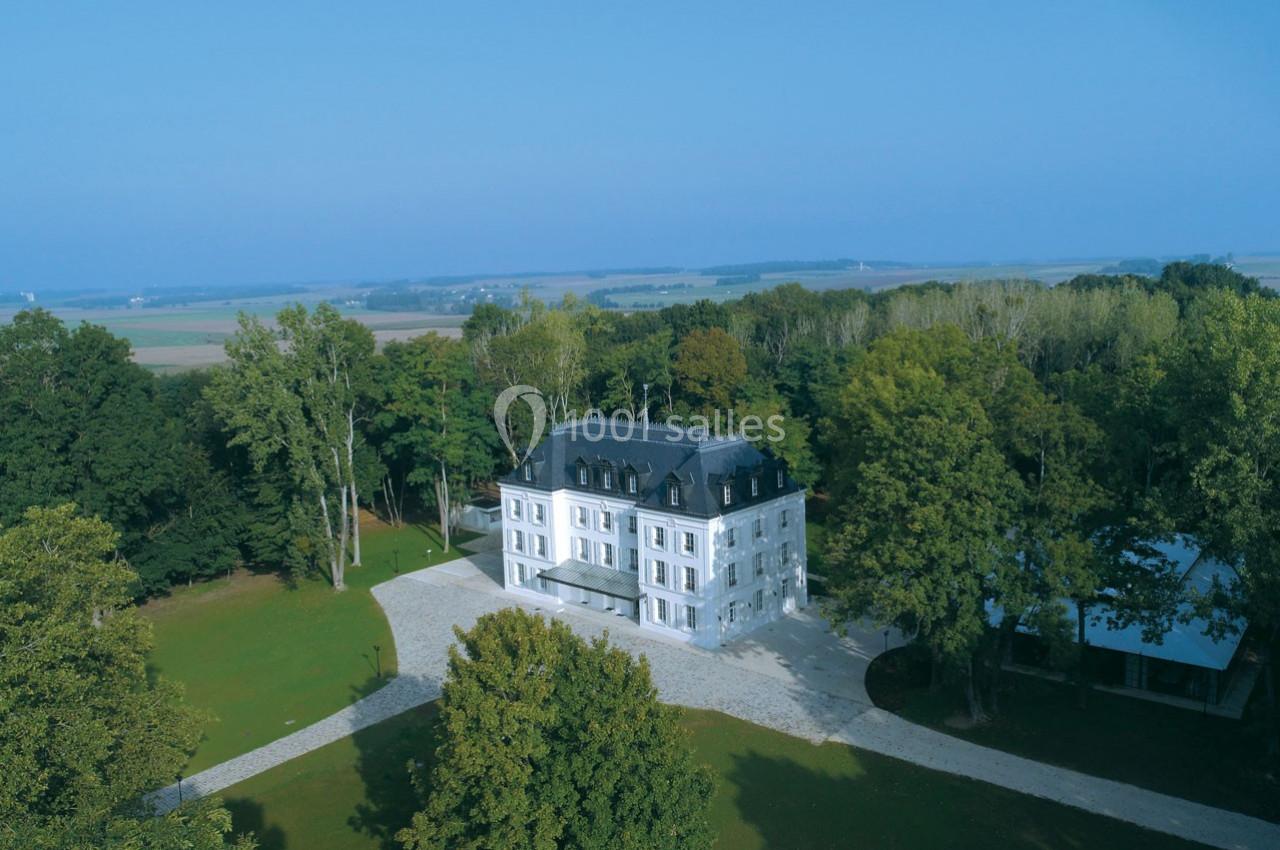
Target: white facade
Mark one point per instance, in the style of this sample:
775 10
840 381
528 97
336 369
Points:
705 580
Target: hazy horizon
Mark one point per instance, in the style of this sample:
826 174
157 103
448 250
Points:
234 145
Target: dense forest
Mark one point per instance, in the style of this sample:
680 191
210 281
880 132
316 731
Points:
1054 427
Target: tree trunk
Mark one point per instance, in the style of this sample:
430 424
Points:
972 695
935 671
1082 662
1002 651
344 533
351 482
335 563
1269 689
442 501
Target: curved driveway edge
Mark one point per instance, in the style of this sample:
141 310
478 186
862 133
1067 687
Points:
793 676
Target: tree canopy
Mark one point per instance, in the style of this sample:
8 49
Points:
549 741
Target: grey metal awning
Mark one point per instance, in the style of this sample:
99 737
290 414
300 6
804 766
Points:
610 582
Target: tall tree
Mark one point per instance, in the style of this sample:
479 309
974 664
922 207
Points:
552 742
926 501
84 731
435 414
709 369
1227 391
292 398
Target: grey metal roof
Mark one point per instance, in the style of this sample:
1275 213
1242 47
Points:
611 582
658 457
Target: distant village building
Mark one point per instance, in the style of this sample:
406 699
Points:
699 539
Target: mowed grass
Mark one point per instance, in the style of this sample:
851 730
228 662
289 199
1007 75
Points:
1187 754
266 656
773 791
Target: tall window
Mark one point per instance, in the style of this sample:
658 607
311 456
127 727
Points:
631 483
540 546
755 486
584 549
660 573
520 574
731 575
687 543
631 523
606 521
786 589
759 563
690 579
515 509
582 476
528 471
759 601
517 540
733 612
606 479
785 553
757 528
784 518
691 616
662 610
582 516
659 537
726 493
782 479
731 537
673 495
539 513
634 559
606 554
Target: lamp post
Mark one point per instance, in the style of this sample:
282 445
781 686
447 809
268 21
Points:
377 657
396 553
179 789
886 640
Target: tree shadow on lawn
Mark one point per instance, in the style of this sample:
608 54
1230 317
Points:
874 801
249 816
387 754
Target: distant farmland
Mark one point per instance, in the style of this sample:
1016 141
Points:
173 338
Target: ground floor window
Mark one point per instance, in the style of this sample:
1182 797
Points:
759 601
786 589
691 616
733 612
662 610
520 574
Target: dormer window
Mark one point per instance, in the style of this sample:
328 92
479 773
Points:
606 479
726 493
582 476
526 471
631 483
673 495
755 486
782 479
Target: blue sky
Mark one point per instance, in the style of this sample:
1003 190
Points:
171 143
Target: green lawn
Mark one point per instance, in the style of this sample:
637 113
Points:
266 656
1187 754
773 791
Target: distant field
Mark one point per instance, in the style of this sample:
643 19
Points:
171 339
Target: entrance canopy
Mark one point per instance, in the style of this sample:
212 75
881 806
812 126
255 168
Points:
593 577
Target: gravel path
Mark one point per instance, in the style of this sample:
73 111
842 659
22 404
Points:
794 677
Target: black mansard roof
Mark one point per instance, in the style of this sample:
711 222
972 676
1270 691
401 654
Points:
660 459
